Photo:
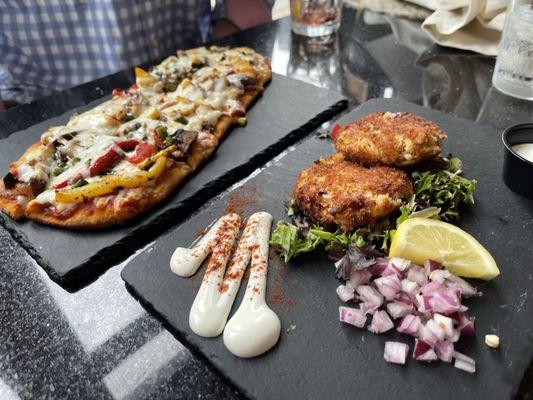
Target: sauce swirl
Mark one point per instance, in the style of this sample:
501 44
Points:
254 328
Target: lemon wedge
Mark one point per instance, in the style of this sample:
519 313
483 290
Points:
420 239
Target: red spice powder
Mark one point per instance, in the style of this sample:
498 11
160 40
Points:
196 287
242 199
223 288
201 232
276 292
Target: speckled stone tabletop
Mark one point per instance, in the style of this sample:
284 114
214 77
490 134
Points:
98 342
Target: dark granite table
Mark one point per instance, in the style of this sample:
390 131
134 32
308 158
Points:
99 342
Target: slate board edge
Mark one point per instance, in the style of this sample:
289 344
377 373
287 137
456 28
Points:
116 252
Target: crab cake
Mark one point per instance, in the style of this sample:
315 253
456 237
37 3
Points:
336 192
395 139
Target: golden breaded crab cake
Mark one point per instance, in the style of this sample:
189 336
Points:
397 139
336 192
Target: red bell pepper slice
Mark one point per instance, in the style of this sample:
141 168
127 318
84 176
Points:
128 145
335 132
110 158
142 152
104 162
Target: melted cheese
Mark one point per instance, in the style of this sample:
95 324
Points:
203 99
87 147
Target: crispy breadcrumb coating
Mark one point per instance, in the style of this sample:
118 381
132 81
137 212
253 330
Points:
336 192
395 139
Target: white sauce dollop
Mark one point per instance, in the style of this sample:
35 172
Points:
254 328
524 150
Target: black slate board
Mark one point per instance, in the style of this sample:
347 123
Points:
322 358
288 110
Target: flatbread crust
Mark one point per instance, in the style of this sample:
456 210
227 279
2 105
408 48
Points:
103 212
204 145
133 202
8 197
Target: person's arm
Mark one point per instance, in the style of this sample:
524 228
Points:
247 13
234 15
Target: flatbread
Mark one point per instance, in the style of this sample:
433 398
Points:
137 115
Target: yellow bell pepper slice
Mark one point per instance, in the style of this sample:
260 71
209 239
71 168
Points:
154 157
144 79
244 66
109 183
151 113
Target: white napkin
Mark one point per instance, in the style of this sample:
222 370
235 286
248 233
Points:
466 24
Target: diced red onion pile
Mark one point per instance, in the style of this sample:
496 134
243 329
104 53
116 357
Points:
422 301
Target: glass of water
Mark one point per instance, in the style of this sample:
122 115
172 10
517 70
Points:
513 73
314 18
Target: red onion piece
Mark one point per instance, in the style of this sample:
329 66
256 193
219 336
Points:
444 323
436 329
444 351
388 286
455 336
395 352
397 309
368 308
392 270
360 277
423 351
427 335
466 325
465 366
467 290
369 295
430 288
401 264
445 302
428 356
424 303
345 293
402 297
410 287
352 316
464 362
438 275
430 266
380 265
417 274
381 322
409 325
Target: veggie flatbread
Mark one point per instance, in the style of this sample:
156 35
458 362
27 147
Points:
113 162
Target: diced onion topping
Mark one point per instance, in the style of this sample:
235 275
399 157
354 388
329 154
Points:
424 301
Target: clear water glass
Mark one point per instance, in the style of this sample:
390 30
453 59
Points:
513 73
315 18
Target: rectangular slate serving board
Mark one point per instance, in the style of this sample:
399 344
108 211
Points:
323 358
287 110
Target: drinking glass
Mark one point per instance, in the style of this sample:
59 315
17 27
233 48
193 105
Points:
314 18
513 73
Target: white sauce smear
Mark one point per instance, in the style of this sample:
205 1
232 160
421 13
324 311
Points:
254 328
